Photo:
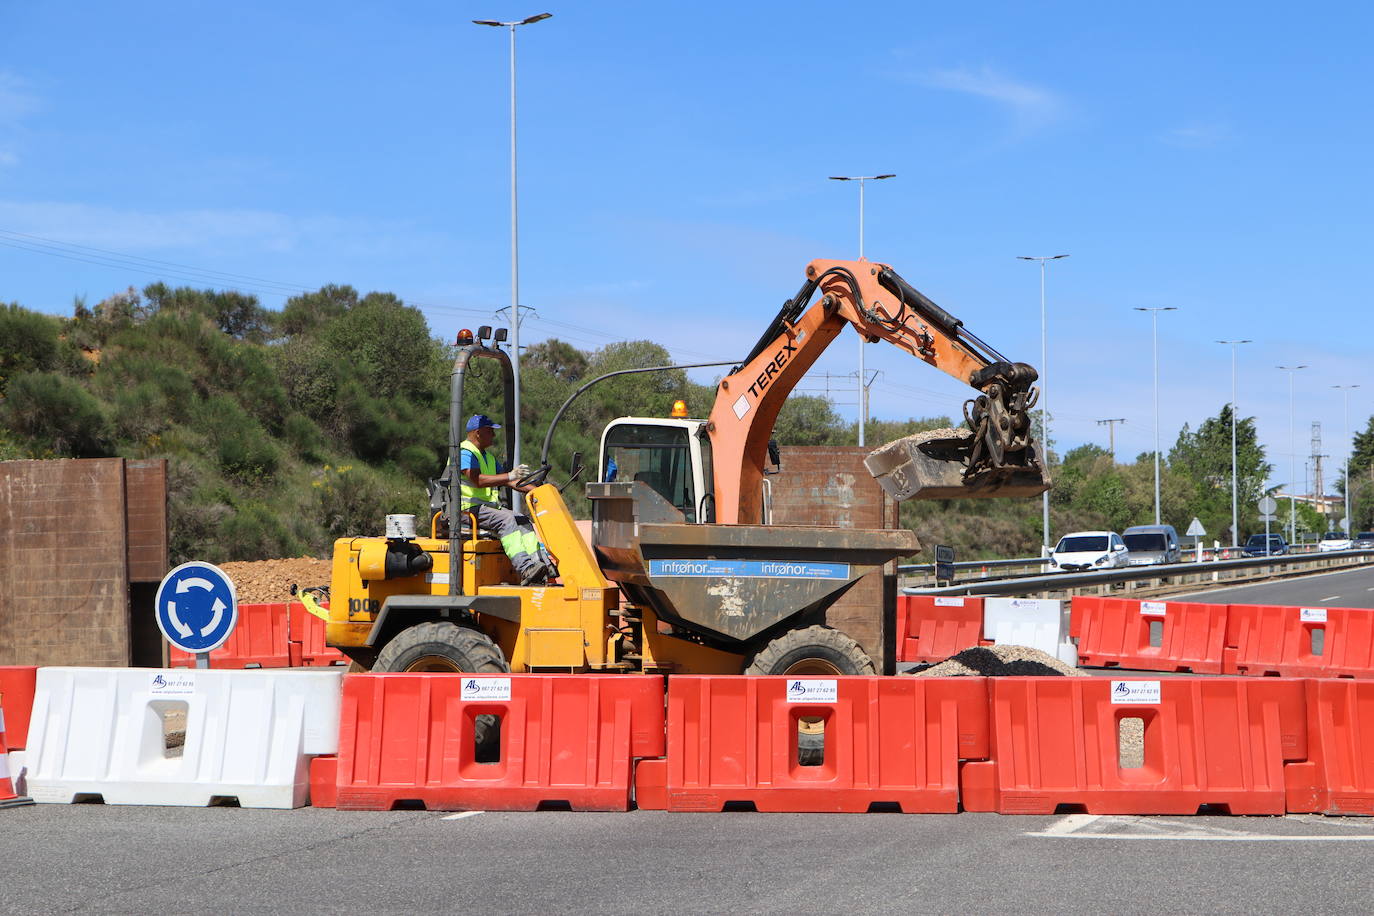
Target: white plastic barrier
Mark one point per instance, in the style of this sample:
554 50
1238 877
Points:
249 735
1039 623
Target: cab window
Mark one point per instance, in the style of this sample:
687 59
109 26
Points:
659 456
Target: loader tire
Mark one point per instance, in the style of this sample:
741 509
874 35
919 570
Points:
442 647
811 650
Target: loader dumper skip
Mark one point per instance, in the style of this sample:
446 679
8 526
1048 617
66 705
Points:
735 582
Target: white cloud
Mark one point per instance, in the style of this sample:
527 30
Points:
1198 135
16 101
1032 106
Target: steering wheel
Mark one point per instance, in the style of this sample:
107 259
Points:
533 478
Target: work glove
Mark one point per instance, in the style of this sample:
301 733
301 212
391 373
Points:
519 472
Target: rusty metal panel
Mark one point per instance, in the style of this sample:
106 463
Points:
829 485
64 588
145 483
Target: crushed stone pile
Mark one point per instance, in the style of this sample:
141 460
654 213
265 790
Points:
1000 661
269 581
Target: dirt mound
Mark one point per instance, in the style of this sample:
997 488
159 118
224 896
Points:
1000 661
269 581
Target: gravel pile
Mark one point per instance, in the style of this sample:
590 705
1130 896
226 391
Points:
269 581
1000 661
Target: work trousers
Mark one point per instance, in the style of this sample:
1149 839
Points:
516 532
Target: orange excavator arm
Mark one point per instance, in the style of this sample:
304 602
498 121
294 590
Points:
996 456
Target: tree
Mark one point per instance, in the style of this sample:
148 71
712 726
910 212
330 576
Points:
558 358
1205 457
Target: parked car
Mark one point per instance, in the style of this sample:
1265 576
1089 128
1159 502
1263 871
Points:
1363 541
1089 550
1265 545
1333 540
1151 545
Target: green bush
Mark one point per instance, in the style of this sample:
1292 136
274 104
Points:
254 532
58 415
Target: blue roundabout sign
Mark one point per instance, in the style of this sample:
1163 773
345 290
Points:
197 607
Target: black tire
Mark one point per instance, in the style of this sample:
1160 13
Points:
811 650
440 647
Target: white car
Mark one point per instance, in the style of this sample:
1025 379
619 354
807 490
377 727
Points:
1333 540
1089 550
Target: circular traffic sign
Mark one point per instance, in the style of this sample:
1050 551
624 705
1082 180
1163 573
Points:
1268 504
197 607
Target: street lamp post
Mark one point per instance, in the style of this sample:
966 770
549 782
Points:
1292 457
1345 390
1044 401
1235 504
1154 322
863 390
514 230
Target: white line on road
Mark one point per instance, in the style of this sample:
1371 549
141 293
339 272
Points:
1205 838
1071 827
1068 824
459 816
1331 598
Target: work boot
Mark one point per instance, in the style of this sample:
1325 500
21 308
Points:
537 574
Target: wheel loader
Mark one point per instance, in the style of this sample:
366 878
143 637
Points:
684 573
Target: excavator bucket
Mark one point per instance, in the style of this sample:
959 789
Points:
935 465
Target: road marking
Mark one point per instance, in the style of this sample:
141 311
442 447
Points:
1068 825
459 816
1332 598
1072 827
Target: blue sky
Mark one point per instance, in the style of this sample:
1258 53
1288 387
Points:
673 162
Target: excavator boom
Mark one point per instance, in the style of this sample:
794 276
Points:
995 456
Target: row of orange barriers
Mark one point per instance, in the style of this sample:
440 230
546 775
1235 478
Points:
273 635
1254 640
712 743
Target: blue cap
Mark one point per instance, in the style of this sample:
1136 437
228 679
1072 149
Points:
478 420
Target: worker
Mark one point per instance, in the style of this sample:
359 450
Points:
481 475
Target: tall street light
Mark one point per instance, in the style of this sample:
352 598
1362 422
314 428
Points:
1292 457
1044 401
514 229
863 389
1154 322
1235 504
1345 390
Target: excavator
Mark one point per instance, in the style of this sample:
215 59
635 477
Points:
683 572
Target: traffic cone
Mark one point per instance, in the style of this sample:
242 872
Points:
8 798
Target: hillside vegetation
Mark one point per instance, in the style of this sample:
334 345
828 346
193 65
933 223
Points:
285 429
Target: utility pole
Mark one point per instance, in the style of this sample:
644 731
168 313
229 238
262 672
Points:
863 389
1111 433
1044 396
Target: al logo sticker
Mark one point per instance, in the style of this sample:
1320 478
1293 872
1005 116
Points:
485 688
172 684
1135 692
813 690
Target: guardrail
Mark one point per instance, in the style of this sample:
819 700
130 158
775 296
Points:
1156 579
1209 555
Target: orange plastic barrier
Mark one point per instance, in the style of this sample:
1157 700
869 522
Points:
308 647
887 742
1149 635
565 740
1338 777
1219 742
258 641
324 781
1299 642
17 685
8 797
931 628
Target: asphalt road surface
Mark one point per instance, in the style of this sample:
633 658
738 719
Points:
106 859
1351 588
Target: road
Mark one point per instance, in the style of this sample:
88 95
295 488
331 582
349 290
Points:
1350 588
99 859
